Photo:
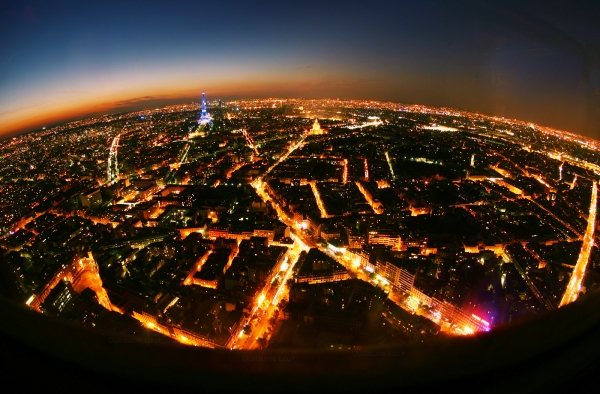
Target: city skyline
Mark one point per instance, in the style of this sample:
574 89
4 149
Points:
253 201
333 228
66 60
308 196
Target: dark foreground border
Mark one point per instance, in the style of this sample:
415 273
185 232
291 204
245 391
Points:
554 352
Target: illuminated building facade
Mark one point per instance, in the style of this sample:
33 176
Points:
398 277
355 241
392 240
215 232
316 128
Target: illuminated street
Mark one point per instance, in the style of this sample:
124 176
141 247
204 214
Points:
578 274
320 204
267 304
300 196
374 204
389 161
113 165
209 232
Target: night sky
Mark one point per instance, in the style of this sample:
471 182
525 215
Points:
64 59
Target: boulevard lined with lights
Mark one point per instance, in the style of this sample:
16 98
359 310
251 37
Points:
182 190
574 286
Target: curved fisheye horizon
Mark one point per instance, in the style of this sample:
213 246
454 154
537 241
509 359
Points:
351 194
64 60
370 187
374 236
150 102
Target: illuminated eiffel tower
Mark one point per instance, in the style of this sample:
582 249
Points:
204 116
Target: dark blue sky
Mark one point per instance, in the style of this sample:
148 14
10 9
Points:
60 59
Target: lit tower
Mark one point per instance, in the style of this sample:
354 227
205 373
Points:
560 170
204 116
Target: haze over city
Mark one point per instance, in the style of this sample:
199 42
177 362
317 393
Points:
65 60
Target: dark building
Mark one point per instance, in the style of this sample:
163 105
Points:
59 298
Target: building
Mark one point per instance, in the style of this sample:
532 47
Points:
388 239
59 298
317 267
355 241
93 199
316 128
399 277
204 116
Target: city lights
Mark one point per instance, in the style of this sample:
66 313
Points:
227 242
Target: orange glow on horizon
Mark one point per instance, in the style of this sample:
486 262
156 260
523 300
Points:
55 106
39 116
